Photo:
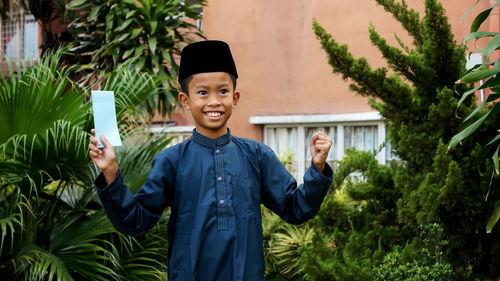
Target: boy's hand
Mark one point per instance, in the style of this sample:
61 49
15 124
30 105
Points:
104 158
320 146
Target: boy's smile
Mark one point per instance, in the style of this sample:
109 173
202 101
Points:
211 99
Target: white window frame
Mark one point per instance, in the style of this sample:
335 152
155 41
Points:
301 122
178 133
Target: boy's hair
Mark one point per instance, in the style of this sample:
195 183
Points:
185 83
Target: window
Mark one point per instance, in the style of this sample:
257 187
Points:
361 137
293 133
177 133
19 37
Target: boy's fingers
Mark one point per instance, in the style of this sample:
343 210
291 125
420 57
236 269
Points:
93 154
92 131
95 149
94 141
105 141
314 138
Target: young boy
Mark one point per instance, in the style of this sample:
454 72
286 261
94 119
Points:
213 182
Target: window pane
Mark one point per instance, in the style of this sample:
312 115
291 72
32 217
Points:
19 37
283 141
361 137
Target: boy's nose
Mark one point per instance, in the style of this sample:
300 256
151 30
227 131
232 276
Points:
214 100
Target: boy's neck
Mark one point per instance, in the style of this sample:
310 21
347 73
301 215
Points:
212 134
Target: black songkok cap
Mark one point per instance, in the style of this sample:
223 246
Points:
206 56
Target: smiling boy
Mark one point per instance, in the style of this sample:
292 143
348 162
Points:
213 182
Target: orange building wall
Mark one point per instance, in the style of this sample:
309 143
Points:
281 65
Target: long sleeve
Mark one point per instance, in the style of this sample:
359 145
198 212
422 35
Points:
135 214
281 195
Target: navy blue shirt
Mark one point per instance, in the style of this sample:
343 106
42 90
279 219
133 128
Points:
214 189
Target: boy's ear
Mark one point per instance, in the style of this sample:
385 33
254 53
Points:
236 98
184 99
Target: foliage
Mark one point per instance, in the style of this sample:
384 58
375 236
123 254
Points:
486 71
52 224
149 34
426 185
357 222
428 265
288 160
283 242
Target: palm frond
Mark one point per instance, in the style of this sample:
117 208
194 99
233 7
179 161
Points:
33 97
145 259
11 215
284 250
78 241
58 153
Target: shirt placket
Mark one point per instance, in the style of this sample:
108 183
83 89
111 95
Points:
220 190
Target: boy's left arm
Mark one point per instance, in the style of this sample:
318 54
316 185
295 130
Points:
279 188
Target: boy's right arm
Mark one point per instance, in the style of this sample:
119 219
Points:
104 158
129 213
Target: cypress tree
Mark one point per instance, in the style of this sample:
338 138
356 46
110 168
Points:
361 223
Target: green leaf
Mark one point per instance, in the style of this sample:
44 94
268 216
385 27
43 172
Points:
494 218
130 13
492 46
494 81
490 98
474 126
154 25
468 11
136 32
155 63
482 17
140 64
124 36
166 56
109 22
495 161
480 74
139 51
79 4
94 13
125 24
478 35
152 44
127 53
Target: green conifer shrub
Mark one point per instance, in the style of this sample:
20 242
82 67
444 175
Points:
418 99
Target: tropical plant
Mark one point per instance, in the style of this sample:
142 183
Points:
148 33
52 223
426 185
282 247
489 107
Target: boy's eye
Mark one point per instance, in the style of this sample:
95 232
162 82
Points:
202 93
224 91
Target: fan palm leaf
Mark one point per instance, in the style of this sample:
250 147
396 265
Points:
58 231
33 98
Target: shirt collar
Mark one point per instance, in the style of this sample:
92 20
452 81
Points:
205 141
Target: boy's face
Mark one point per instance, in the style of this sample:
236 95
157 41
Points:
211 101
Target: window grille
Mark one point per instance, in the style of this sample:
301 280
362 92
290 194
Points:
19 37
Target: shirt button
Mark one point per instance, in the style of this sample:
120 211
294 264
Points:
221 202
217 151
219 178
